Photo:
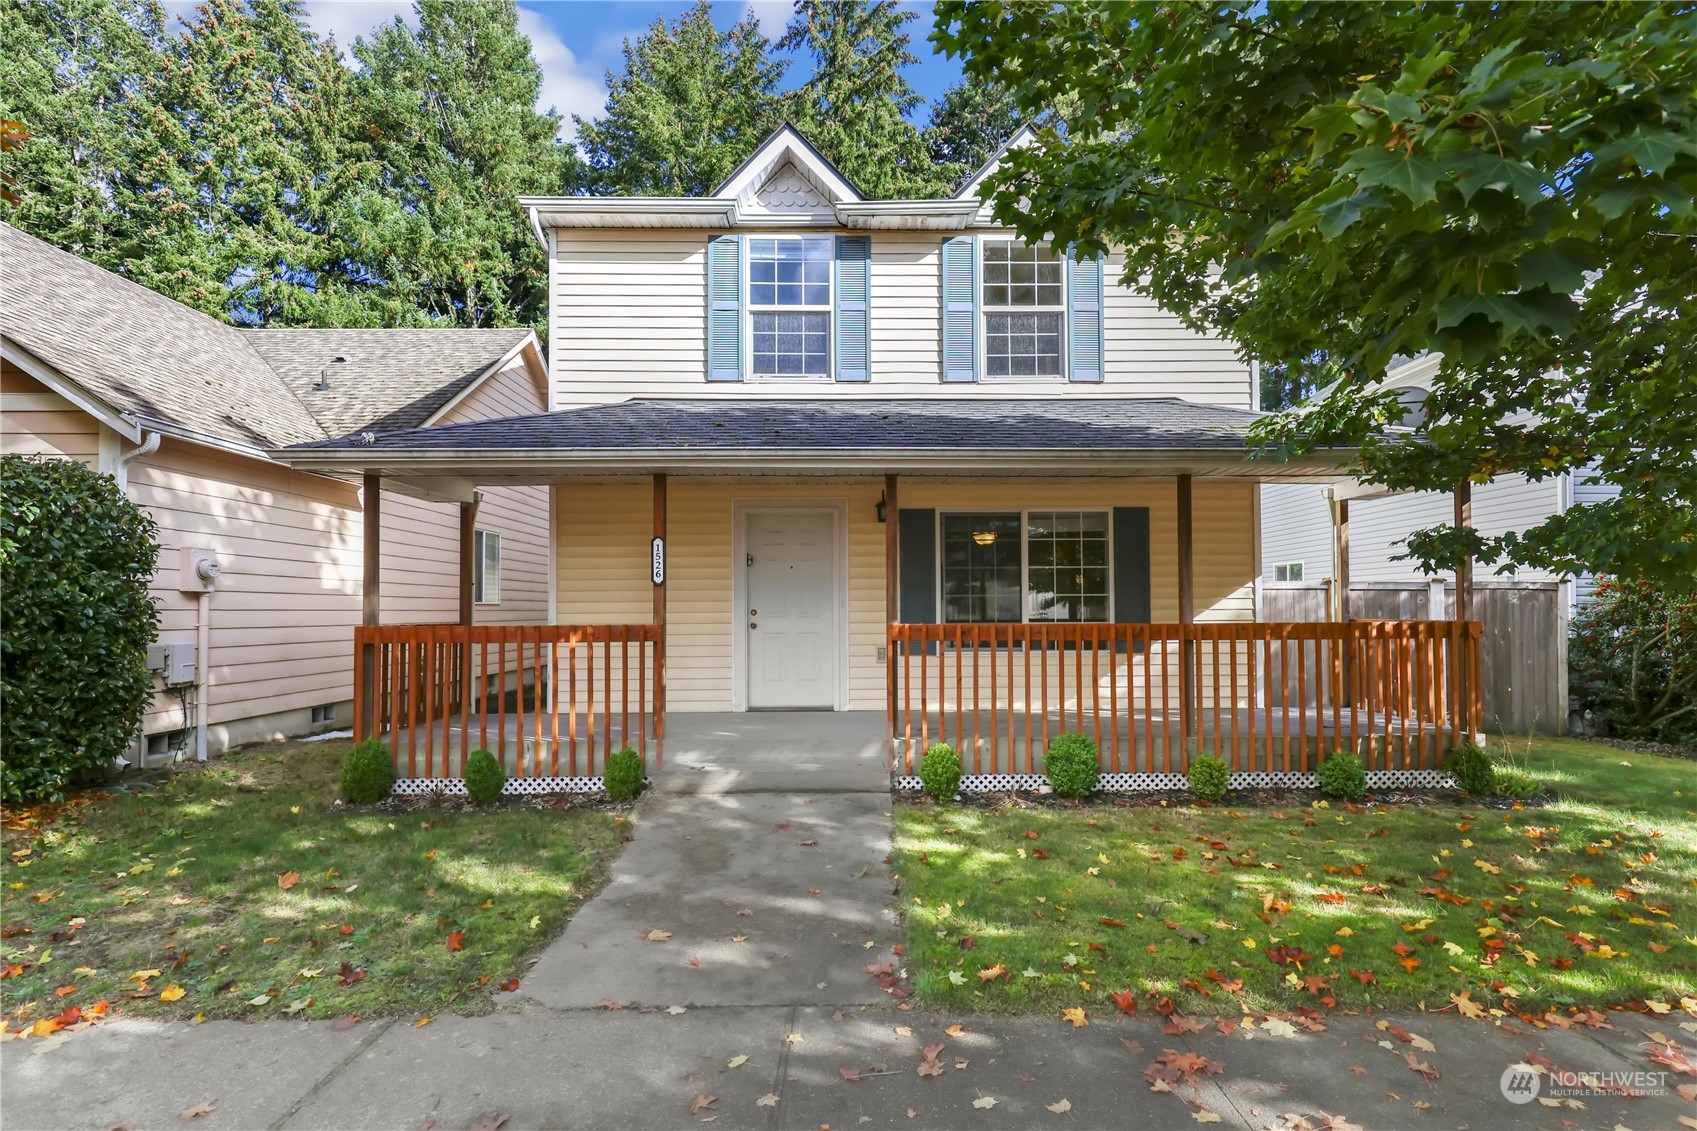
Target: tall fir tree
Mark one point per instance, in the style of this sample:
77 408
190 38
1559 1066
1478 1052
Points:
968 125
691 104
854 107
448 127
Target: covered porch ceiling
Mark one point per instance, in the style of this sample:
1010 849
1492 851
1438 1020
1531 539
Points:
1092 436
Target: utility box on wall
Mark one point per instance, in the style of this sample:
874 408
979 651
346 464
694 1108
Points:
179 664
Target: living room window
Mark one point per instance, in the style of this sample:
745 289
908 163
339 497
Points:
1019 566
789 303
1024 304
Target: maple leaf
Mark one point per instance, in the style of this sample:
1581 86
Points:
172 992
928 1064
1205 1116
350 975
1279 1027
456 940
1408 964
1124 1002
1285 955
199 1111
851 1075
701 1102
770 1099
1468 1007
957 1030
287 880
1075 1014
657 936
1060 1107
1177 1025
1420 1066
510 985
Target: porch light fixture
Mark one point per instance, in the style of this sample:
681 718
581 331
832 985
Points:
880 507
984 537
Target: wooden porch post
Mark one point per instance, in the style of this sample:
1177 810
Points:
365 691
1342 570
1187 616
892 610
660 617
468 552
1465 675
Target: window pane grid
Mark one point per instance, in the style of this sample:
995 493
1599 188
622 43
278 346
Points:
1068 573
1023 296
981 568
791 278
1042 566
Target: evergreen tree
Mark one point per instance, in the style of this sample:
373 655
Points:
971 122
854 107
692 103
448 130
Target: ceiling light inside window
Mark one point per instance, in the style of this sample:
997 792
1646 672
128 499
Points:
984 537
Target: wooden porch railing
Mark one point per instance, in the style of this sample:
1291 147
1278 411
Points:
1265 697
546 700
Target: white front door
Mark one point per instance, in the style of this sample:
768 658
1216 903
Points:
791 616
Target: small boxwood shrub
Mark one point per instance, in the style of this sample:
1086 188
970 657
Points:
1210 777
368 773
1342 775
939 772
1472 770
76 557
484 777
622 775
1073 764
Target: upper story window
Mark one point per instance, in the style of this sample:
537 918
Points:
1024 303
789 303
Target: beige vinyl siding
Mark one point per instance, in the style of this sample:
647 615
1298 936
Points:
629 308
45 424
603 553
284 607
513 391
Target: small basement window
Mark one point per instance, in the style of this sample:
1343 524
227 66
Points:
324 714
486 568
1288 571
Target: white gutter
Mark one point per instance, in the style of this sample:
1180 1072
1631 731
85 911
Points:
120 466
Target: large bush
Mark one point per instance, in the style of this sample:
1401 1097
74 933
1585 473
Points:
75 560
1633 662
1073 764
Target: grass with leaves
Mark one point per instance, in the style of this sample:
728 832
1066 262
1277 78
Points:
240 889
1590 900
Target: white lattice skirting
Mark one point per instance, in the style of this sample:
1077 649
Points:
515 787
1159 783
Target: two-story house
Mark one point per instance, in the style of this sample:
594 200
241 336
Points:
811 451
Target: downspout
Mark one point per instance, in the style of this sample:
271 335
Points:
202 654
120 466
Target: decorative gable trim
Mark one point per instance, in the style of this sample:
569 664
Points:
786 145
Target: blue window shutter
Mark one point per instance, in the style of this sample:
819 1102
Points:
916 582
1084 319
960 308
854 308
724 308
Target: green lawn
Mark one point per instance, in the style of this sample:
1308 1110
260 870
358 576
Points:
245 887
1590 900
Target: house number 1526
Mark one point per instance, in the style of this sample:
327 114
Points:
659 561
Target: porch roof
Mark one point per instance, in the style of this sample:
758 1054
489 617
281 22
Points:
1088 434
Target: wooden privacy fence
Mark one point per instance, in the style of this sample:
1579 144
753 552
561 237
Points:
1523 654
1265 697
546 700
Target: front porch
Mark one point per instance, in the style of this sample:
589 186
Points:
987 574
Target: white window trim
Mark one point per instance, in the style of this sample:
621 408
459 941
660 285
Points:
985 311
1025 514
479 578
750 309
1277 566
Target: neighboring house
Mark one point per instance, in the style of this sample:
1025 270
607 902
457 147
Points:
1299 540
806 444
182 408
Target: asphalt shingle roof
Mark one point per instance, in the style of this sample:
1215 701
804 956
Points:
153 358
391 378
722 424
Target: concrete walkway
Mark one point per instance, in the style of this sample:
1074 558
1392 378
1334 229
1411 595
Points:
770 900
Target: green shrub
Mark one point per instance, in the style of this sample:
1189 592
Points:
484 777
368 773
1472 770
1342 775
76 557
1073 764
622 775
939 772
1633 662
1210 777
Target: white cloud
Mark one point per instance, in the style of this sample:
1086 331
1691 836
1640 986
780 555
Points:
347 20
569 85
773 15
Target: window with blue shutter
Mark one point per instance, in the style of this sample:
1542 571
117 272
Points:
1084 319
960 308
853 313
725 301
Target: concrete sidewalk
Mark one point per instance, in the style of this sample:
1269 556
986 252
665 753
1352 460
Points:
634 1069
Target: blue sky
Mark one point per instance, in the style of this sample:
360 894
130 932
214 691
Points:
577 41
